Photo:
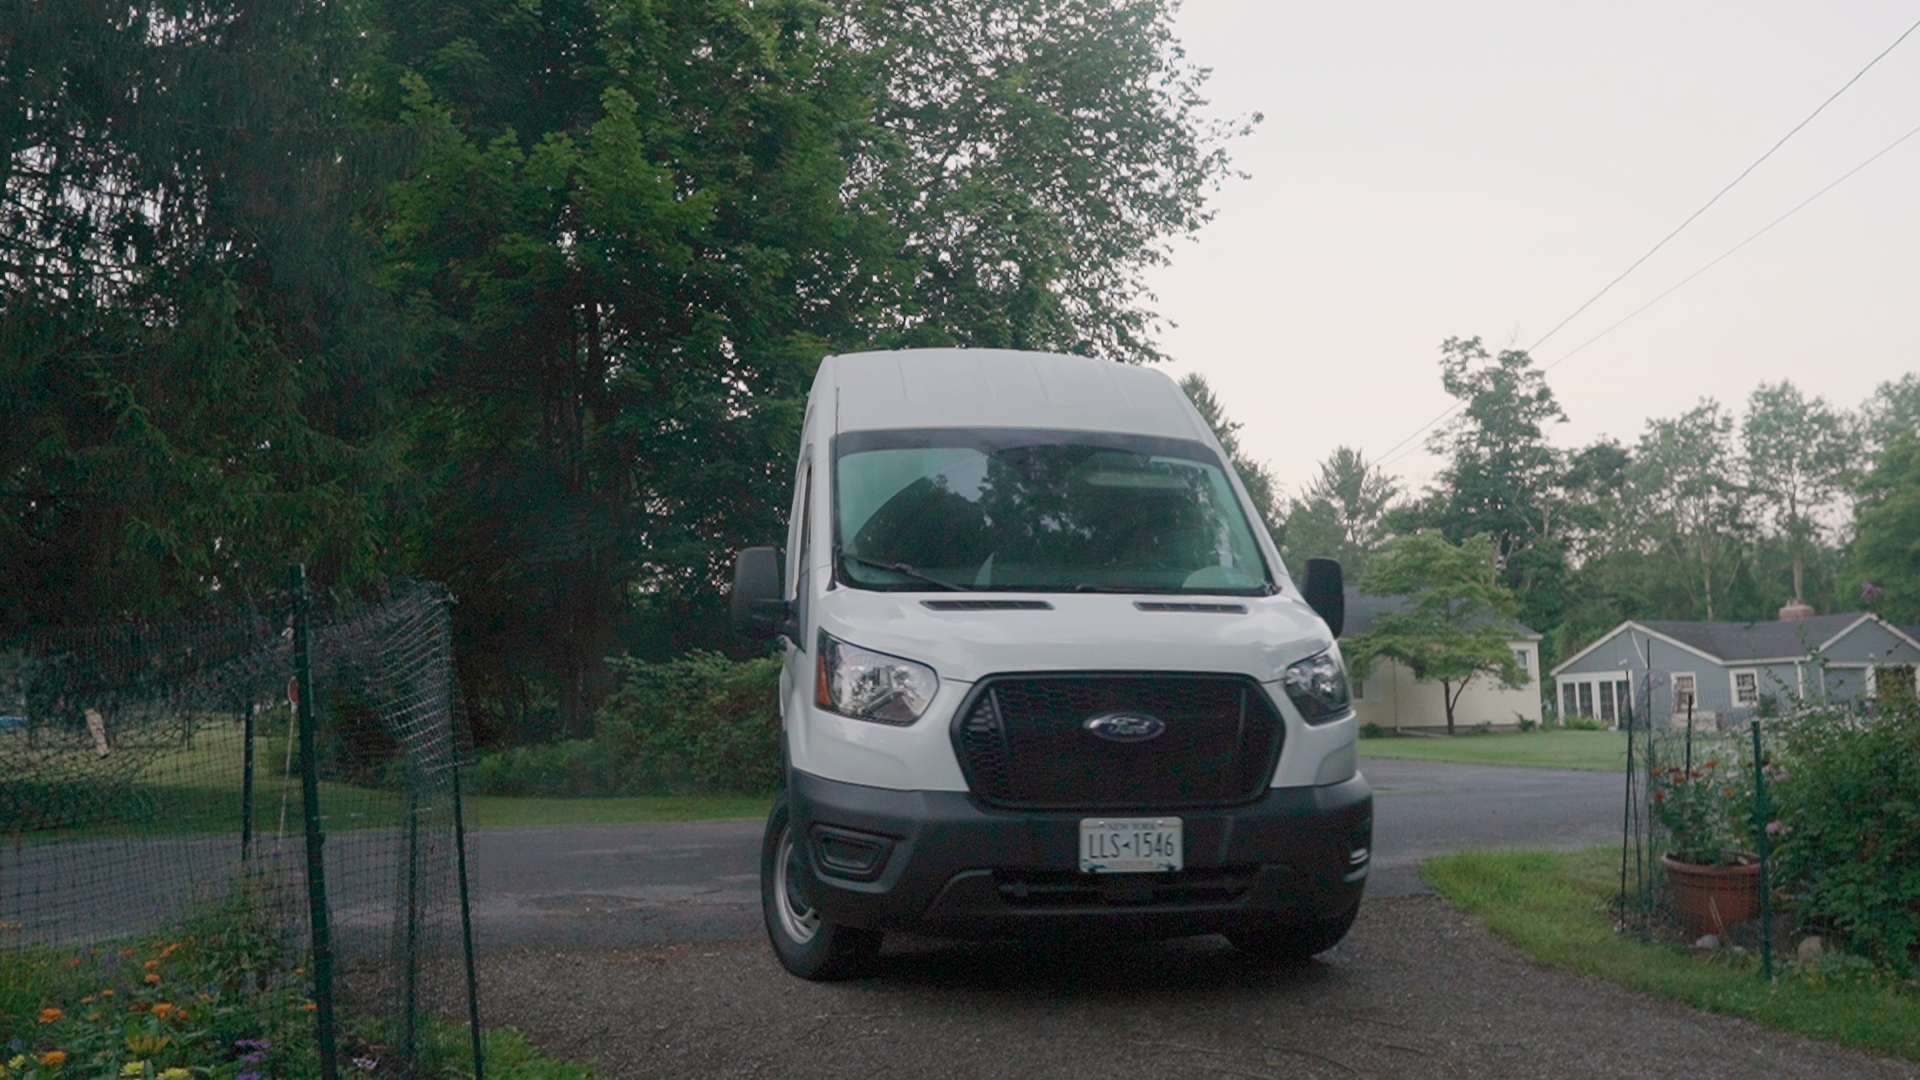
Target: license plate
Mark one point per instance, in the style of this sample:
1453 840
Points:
1129 845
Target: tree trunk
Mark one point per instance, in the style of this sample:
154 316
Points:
1446 698
1799 572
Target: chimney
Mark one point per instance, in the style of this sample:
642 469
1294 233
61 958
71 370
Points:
1796 610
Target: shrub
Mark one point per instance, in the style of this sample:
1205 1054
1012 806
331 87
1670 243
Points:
1583 723
698 723
1372 731
1848 832
575 767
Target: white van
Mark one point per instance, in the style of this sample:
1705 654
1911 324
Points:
1045 673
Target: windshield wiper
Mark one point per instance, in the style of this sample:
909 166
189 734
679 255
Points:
903 568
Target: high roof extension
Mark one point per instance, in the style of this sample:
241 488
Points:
1004 388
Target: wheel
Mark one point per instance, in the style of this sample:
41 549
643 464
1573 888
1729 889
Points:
1290 942
807 945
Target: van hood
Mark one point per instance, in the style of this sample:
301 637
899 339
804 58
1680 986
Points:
1257 635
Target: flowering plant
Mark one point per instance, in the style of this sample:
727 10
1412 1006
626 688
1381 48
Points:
1704 811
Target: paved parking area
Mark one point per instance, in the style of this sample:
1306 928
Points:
618 886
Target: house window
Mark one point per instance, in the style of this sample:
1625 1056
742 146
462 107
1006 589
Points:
1683 695
1520 658
1586 699
1746 688
1569 700
1606 702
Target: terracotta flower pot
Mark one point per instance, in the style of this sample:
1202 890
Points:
1708 899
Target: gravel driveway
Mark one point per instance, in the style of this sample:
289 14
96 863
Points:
1417 991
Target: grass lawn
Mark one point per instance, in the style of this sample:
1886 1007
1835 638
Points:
1553 906
181 791
1592 751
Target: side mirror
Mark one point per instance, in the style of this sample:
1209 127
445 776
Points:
759 610
1325 591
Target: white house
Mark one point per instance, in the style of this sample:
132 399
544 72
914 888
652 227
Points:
1391 697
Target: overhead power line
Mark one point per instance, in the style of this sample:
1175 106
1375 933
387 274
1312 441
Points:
1730 186
1389 456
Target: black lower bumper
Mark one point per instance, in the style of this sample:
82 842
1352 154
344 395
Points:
939 863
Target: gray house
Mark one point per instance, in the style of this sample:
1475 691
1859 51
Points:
1727 671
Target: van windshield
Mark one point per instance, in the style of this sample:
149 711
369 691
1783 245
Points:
1039 511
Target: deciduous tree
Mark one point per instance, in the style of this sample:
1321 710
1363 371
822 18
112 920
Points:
1456 626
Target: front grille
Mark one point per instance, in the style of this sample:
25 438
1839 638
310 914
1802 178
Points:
1066 889
1023 742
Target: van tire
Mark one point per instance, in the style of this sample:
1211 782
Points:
806 944
1291 943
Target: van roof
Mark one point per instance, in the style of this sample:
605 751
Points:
968 388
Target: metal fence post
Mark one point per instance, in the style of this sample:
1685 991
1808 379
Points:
1760 816
246 784
466 930
326 1031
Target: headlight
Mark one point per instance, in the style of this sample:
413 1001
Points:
868 685
1318 687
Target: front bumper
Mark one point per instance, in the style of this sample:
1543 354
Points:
949 867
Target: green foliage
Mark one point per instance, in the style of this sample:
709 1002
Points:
222 995
701 722
1798 453
183 323
1886 546
573 767
1459 621
1343 513
1707 811
1254 476
1372 731
1849 843
1502 479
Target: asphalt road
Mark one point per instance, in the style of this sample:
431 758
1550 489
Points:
620 886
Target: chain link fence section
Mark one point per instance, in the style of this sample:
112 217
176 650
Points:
156 776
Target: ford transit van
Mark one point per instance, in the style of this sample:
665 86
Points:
1045 673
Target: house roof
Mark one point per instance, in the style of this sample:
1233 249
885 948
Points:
1363 610
1756 640
1738 642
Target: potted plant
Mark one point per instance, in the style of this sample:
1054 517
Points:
1713 879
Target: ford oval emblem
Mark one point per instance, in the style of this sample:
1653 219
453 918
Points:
1125 727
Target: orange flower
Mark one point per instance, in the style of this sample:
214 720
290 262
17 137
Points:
153 965
1711 763
169 950
88 1000
53 1057
92 1016
48 1016
310 1006
75 962
163 1010
153 978
106 993
139 1006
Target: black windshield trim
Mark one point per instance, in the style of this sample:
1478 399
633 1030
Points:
992 439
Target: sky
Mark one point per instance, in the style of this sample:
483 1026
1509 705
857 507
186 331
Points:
1483 168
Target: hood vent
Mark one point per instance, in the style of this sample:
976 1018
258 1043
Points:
987 605
1205 609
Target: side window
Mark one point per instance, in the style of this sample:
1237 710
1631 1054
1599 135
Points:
800 523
